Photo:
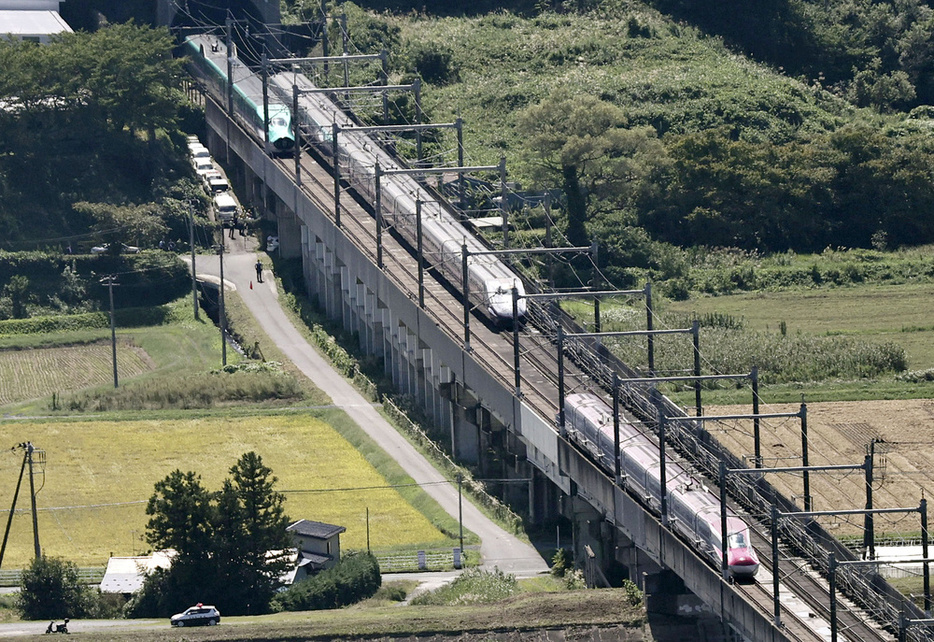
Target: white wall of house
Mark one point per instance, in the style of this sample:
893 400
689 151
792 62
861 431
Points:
30 5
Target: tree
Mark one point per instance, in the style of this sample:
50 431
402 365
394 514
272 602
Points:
128 74
250 532
51 589
230 545
123 223
18 291
181 514
583 144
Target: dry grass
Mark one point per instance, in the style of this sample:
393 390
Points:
99 475
581 611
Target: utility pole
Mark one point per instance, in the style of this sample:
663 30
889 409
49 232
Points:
9 521
110 281
30 455
460 512
221 317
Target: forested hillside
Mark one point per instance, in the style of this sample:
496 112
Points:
90 154
661 133
767 126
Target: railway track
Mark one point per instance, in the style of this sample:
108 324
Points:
805 584
538 384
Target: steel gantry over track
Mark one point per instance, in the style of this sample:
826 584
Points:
429 354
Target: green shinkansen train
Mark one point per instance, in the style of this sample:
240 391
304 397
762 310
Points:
207 61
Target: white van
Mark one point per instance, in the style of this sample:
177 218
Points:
225 207
199 152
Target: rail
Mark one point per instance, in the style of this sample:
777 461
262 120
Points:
598 366
434 560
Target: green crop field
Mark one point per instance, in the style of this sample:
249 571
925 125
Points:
98 475
903 314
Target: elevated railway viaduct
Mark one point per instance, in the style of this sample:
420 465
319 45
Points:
472 396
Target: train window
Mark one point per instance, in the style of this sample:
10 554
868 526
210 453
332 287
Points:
738 540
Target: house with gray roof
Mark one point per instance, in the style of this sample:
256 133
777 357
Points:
318 547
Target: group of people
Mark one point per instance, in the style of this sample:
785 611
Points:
238 224
171 246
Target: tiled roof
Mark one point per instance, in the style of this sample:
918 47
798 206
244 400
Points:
319 530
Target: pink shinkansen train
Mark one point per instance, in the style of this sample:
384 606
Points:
693 510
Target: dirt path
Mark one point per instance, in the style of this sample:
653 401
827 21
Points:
839 433
499 548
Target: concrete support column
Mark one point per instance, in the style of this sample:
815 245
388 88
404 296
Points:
466 434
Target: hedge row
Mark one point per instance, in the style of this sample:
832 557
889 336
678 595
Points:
125 318
355 578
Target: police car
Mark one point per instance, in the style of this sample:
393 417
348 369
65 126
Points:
198 615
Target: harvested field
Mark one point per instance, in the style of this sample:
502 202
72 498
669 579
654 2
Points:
34 373
839 433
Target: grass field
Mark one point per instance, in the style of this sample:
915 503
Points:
380 619
100 469
900 313
99 474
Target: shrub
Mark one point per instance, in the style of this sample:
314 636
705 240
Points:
392 592
434 63
51 589
473 586
633 594
355 578
561 562
574 580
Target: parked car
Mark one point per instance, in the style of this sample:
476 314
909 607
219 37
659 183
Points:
197 615
124 248
199 151
215 182
202 166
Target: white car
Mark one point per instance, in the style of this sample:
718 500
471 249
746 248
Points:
203 166
124 248
198 615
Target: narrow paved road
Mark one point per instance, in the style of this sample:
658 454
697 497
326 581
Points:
499 548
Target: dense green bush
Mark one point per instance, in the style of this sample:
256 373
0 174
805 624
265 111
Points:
355 578
51 589
41 283
125 318
434 63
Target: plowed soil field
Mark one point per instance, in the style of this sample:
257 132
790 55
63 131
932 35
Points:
840 433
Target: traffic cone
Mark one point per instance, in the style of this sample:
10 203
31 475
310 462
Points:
251 285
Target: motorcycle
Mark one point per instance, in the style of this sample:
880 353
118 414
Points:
58 628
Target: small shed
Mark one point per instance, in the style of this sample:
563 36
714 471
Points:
32 20
126 575
318 546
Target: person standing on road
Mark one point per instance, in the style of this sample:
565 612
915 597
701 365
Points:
259 271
